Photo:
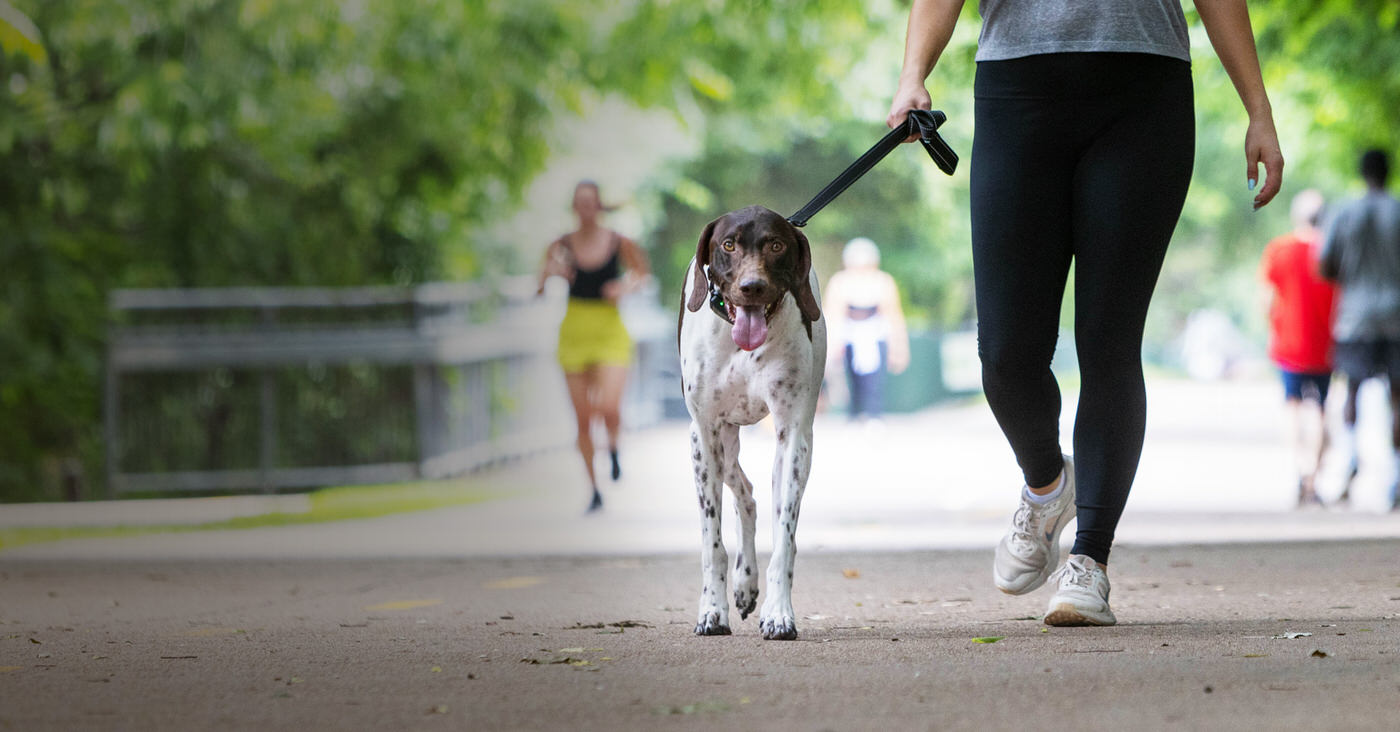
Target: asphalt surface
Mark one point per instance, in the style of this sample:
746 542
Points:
519 613
886 641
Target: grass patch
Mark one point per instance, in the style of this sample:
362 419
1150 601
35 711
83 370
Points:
341 503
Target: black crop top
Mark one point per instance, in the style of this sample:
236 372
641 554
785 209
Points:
588 283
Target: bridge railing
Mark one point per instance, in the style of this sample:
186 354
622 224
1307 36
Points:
235 389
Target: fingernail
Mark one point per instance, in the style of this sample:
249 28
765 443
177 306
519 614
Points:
1251 184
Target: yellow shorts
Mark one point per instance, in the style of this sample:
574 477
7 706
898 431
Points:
591 334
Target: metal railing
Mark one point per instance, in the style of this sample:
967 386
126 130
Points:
236 389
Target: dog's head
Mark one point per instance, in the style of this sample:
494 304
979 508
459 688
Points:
755 257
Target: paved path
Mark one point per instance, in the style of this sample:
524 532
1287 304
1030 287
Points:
487 616
605 643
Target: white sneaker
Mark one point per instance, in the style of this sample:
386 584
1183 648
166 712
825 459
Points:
1031 549
1082 596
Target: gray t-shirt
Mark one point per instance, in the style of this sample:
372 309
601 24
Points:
1016 28
1361 251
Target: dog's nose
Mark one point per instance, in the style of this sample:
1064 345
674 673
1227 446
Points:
753 287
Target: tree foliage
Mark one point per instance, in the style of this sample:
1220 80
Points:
153 143
178 143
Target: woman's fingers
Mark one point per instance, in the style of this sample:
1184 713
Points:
905 99
1262 148
1273 180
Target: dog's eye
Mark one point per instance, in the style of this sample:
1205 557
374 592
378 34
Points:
728 245
777 247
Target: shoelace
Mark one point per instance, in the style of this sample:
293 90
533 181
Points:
1076 574
1026 527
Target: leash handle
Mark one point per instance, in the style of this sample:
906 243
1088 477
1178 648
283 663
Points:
923 122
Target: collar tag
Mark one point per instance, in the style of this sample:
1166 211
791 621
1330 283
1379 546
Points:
717 304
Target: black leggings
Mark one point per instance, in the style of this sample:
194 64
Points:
1082 157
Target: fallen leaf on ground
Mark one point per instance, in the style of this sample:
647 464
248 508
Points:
1256 655
850 573
1318 653
617 624
35 642
402 605
439 709
8 669
988 639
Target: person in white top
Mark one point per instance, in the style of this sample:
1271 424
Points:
865 326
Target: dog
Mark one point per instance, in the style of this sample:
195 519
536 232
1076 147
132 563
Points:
758 349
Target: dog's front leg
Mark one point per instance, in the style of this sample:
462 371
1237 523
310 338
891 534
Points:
706 450
746 566
791 466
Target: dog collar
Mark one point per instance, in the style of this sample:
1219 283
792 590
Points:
718 305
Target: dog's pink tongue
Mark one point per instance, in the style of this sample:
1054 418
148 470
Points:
750 327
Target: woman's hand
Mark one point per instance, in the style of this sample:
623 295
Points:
912 94
613 290
1261 148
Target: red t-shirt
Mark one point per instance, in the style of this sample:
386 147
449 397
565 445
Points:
1300 321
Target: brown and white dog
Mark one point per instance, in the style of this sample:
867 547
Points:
752 343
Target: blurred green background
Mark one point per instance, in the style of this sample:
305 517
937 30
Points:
199 143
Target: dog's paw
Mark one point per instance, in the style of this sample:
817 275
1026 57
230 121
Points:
780 628
745 600
711 624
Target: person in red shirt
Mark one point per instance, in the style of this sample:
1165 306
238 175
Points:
1300 334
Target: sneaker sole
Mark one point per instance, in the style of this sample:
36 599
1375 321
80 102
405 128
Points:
1066 615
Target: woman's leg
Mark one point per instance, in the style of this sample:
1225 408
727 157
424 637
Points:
580 383
612 380
1021 205
1129 188
854 392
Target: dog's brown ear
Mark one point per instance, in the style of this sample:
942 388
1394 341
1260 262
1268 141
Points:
802 288
700 286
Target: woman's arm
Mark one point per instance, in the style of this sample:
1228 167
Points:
931 24
553 264
1227 26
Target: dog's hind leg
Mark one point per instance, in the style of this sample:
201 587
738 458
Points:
707 457
791 466
746 566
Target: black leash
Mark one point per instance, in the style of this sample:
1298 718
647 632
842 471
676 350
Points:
923 122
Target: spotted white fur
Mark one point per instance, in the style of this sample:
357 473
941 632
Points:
726 387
